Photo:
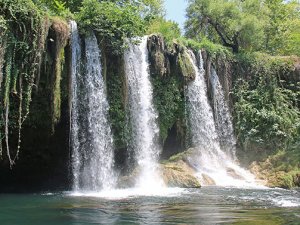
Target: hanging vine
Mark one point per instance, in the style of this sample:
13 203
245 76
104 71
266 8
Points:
26 28
60 36
3 34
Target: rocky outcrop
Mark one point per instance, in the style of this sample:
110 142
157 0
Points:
186 67
158 55
179 174
275 173
162 58
180 170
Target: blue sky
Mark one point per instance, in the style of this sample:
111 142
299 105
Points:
175 10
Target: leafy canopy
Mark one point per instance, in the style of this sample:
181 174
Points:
264 25
169 29
112 21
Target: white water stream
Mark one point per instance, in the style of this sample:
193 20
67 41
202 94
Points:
143 116
213 161
91 138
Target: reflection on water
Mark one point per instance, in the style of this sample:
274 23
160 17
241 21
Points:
206 206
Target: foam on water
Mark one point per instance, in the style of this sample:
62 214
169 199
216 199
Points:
131 193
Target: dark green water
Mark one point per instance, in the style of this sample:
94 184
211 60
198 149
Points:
207 206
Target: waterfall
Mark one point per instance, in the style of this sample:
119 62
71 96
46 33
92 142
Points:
74 116
212 160
145 131
222 116
91 138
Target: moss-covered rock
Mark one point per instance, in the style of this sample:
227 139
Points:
277 171
185 66
179 170
179 174
158 59
168 91
186 156
58 36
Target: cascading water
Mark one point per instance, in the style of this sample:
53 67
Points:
222 116
143 116
91 138
74 117
213 162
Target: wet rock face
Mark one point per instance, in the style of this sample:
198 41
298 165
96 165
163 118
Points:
297 179
162 58
231 172
179 170
186 67
207 180
160 64
179 174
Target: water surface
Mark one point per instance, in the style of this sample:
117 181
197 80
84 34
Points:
207 206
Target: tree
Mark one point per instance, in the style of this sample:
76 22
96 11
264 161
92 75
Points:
169 29
112 21
148 9
233 23
283 30
260 25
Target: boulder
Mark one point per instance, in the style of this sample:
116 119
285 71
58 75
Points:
180 170
207 180
179 174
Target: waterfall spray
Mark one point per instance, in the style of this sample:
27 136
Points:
91 138
213 161
145 131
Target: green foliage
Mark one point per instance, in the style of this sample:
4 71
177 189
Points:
282 31
168 101
3 27
113 22
281 169
265 112
117 113
169 29
25 30
252 25
227 22
55 7
211 48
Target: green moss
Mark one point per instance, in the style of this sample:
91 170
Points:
60 36
116 97
176 158
169 102
181 156
257 64
57 88
186 67
281 169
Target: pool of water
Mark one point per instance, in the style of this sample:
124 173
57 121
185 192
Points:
207 206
